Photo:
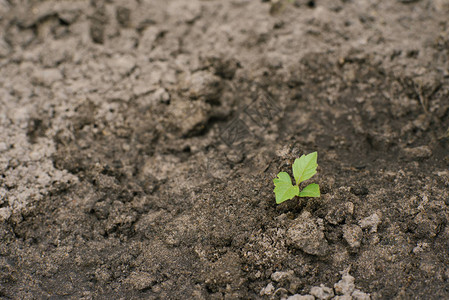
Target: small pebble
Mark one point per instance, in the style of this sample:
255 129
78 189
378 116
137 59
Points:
322 292
279 276
346 285
353 235
359 295
370 222
268 290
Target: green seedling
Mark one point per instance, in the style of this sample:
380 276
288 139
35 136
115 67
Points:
303 168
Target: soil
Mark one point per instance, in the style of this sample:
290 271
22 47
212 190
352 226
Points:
139 141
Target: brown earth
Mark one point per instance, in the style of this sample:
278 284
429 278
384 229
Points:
139 141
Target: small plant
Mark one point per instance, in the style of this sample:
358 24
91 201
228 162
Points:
303 168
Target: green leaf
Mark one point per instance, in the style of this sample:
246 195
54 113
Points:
312 190
305 167
284 189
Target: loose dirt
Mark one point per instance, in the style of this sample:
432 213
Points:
139 141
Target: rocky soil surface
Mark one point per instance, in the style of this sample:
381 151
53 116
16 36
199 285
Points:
139 141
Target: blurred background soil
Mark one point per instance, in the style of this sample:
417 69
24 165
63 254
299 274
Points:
139 141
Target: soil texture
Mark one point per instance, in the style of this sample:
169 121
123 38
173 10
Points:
139 141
